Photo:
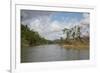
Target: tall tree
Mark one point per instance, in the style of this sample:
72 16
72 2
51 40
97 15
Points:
73 35
66 31
73 32
78 33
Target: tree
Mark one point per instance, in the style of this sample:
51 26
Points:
70 33
31 37
73 35
61 40
66 31
78 33
73 32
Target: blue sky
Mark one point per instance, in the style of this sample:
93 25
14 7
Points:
66 16
49 24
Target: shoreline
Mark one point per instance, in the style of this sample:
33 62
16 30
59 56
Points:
73 46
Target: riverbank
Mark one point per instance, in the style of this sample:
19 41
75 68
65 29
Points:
76 44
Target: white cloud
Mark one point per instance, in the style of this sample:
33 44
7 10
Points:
53 29
55 26
85 25
85 15
86 19
46 28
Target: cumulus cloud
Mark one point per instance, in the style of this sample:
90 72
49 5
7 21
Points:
46 28
85 24
42 22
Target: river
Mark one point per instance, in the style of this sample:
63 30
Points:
54 52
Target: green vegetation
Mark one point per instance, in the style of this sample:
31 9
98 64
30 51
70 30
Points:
73 38
31 37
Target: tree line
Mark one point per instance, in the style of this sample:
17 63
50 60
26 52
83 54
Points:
74 34
31 37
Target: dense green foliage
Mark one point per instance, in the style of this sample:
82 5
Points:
31 37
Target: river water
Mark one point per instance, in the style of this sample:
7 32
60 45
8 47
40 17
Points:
45 53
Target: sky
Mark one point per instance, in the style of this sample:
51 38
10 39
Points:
49 24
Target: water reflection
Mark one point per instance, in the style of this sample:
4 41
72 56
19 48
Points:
46 53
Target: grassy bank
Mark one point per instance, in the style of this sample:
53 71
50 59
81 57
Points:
76 44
